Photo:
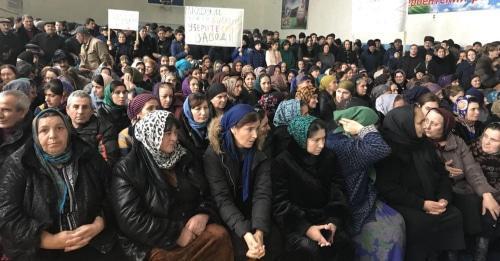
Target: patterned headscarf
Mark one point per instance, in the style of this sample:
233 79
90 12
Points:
149 131
385 102
306 92
461 106
269 103
287 111
299 128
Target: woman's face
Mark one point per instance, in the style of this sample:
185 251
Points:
264 127
283 67
462 56
226 69
200 113
163 71
313 102
141 68
471 56
315 74
349 74
249 79
354 68
170 79
419 75
119 96
166 97
473 112
194 86
207 63
426 107
475 82
53 100
246 135
332 87
347 45
150 106
217 66
361 89
399 78
290 77
196 74
301 65
219 101
98 90
169 141
490 141
49 75
316 142
53 135
265 84
238 87
122 38
7 75
237 67
433 125
455 98
171 61
164 61
342 95
326 48
393 89
441 53
419 121
343 67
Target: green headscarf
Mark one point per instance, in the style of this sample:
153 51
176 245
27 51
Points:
299 128
364 115
108 99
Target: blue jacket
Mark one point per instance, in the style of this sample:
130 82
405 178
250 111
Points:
257 58
243 58
355 159
177 49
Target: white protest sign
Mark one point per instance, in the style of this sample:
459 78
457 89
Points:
378 16
213 26
123 19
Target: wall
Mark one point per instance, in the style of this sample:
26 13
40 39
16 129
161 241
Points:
10 8
329 16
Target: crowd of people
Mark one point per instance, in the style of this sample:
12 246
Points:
308 148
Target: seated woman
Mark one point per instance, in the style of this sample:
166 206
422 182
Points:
378 230
308 203
308 94
413 181
56 92
193 124
169 99
137 109
286 112
468 126
240 181
386 102
268 96
326 97
161 198
235 94
469 183
218 100
114 109
53 192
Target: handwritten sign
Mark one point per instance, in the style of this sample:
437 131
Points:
123 19
213 26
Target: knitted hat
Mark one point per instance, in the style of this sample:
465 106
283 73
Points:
215 89
347 85
363 115
299 128
325 81
136 105
306 92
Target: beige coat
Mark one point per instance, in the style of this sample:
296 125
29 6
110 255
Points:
93 53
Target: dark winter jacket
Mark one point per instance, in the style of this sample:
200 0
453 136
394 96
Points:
17 139
464 72
23 35
148 212
225 180
347 56
114 116
371 61
409 64
49 44
485 71
257 58
10 47
30 206
441 66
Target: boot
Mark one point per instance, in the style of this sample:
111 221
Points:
481 249
452 255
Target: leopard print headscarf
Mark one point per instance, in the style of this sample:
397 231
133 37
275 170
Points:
149 131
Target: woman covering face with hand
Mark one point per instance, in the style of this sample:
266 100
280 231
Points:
162 202
54 197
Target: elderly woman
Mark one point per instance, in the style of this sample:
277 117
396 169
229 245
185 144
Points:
114 109
286 112
413 180
240 180
468 127
308 94
53 192
308 203
378 230
469 182
161 198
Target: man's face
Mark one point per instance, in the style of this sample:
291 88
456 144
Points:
413 50
50 29
9 114
329 40
91 25
28 23
4 27
80 38
79 111
179 36
397 45
427 44
59 27
161 35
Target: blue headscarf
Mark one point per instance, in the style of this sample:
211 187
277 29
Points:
229 120
199 128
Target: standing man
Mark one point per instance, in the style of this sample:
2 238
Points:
27 31
178 49
93 52
49 42
9 43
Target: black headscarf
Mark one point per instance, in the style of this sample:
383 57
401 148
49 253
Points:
399 132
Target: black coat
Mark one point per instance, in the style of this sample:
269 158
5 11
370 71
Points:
49 44
10 47
23 35
371 61
346 56
307 191
16 139
30 206
101 135
146 207
485 71
441 66
191 140
461 131
146 47
409 64
117 117
326 106
224 177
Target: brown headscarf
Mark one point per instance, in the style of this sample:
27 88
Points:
448 122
